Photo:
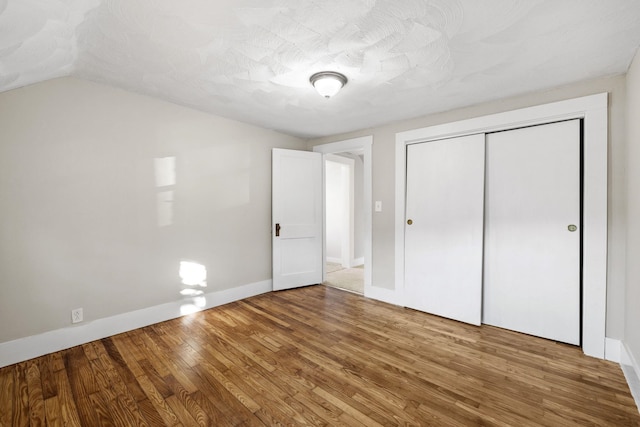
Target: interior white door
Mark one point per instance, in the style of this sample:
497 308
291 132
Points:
444 227
532 258
296 218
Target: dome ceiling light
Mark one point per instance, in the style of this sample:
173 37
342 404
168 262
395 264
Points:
328 83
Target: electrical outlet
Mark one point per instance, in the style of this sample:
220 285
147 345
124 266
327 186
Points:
76 315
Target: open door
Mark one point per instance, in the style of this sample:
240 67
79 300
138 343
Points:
296 218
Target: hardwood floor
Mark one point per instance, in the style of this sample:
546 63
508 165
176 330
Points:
316 356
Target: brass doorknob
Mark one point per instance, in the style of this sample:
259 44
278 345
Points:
572 228
409 221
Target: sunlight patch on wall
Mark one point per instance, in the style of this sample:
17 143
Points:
165 177
164 208
192 274
165 171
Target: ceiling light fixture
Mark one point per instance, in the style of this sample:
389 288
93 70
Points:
328 83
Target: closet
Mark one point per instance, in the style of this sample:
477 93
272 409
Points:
493 229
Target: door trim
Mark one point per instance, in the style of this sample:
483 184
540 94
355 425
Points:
593 110
364 143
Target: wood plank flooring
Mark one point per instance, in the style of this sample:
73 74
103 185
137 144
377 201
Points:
316 356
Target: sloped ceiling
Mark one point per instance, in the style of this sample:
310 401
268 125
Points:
250 60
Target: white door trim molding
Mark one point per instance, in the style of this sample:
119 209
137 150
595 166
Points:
364 143
593 110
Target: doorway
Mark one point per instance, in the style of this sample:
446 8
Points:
344 220
358 150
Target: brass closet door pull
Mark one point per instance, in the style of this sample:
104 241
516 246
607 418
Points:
409 221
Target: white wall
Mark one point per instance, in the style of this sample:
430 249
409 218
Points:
384 184
85 220
632 312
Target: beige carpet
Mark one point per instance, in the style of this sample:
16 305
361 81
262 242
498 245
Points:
350 279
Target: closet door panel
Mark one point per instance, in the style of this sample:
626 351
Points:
444 228
532 259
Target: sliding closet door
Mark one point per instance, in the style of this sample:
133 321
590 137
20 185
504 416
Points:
444 226
532 236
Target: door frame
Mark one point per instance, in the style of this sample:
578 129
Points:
593 111
364 144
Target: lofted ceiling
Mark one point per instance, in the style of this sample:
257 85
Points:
250 60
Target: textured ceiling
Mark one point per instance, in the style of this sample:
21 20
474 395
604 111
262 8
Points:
250 60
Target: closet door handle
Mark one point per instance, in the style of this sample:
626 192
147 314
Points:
409 221
572 228
277 230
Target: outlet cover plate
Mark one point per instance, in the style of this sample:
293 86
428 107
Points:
76 315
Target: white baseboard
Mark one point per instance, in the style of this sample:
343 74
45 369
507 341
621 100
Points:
353 263
357 261
612 349
631 371
38 345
